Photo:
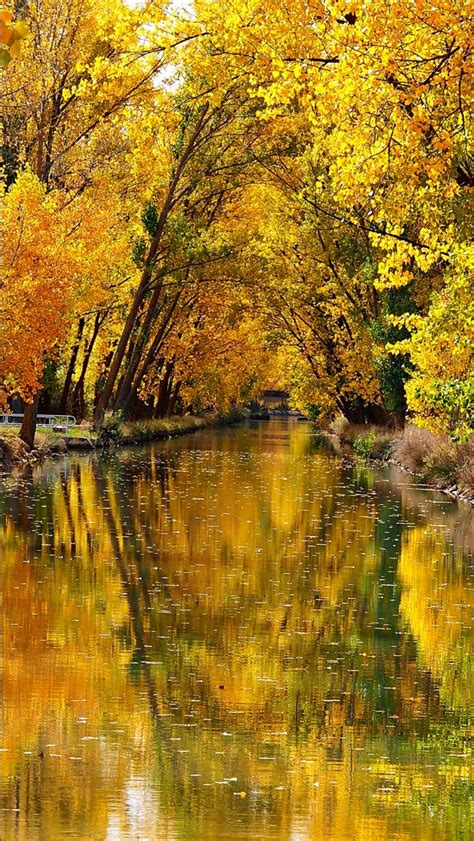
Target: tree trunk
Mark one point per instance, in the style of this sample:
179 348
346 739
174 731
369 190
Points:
125 399
78 404
72 364
78 393
147 274
164 392
28 426
139 346
119 354
99 384
173 399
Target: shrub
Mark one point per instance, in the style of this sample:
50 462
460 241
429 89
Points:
382 447
436 457
340 426
374 445
363 445
442 462
110 431
465 468
413 446
233 415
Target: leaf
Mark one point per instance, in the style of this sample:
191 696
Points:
5 33
6 15
22 29
15 49
5 57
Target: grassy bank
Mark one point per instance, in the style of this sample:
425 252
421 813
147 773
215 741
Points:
114 432
136 432
436 459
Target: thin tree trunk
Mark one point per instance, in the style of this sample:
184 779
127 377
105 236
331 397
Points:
138 348
173 398
78 393
163 392
128 357
104 373
71 366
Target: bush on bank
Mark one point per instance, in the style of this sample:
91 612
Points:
435 458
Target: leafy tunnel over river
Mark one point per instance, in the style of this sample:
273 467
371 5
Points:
234 635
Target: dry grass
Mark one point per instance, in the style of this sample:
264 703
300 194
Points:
149 430
435 457
413 447
341 427
369 441
351 432
375 444
465 468
154 430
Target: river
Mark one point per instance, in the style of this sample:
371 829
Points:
234 635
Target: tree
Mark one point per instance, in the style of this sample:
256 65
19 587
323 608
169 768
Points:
310 159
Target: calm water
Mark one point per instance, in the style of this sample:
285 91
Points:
234 635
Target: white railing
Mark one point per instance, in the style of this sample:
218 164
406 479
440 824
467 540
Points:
58 423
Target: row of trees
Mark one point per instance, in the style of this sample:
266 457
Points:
194 197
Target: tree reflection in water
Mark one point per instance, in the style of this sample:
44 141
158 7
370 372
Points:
234 634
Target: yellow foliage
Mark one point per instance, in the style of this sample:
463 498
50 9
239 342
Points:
309 159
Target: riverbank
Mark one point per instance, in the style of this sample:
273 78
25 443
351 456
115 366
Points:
13 451
140 432
434 459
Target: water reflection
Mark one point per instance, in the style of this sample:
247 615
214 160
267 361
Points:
234 635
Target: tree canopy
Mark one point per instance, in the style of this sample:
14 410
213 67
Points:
201 200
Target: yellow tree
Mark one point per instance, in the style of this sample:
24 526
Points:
382 92
12 34
39 261
79 68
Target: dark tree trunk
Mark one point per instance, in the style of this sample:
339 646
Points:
141 410
173 398
164 392
78 402
103 377
139 346
72 364
78 393
128 358
125 399
28 426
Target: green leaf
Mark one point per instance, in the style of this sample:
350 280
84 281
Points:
5 57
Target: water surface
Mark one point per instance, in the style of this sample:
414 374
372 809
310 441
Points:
234 635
